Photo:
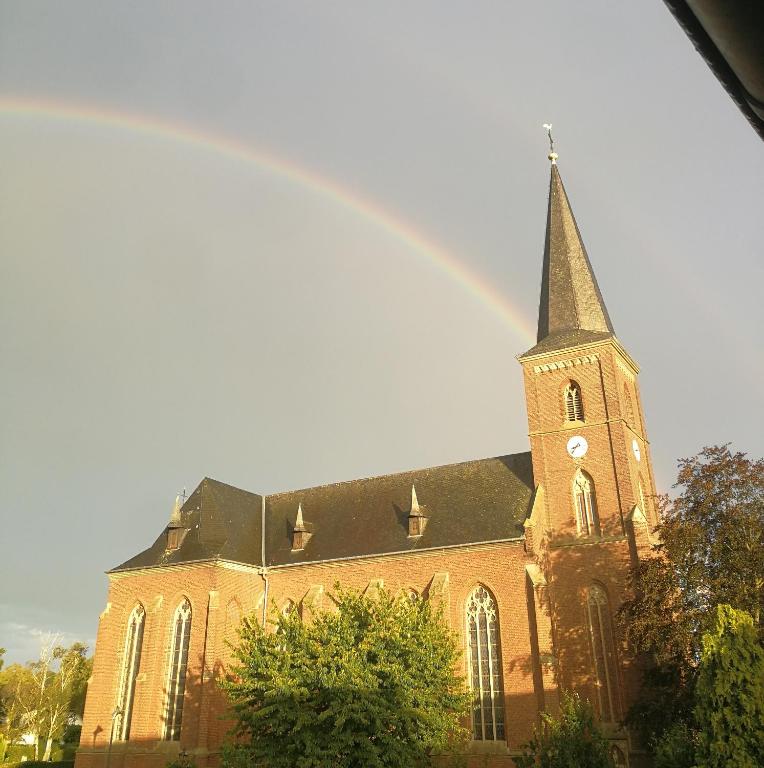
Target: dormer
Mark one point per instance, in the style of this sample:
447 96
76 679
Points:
175 531
300 533
417 519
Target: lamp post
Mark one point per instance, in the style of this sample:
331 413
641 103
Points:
114 715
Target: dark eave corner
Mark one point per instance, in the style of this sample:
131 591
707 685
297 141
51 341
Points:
728 35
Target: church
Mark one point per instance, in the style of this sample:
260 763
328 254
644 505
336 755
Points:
529 553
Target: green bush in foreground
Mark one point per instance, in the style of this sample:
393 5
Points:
729 695
571 740
368 685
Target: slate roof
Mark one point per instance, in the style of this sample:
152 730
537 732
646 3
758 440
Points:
220 520
466 503
571 306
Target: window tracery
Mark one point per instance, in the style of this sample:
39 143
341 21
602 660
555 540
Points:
484 665
603 652
176 680
585 502
574 407
131 662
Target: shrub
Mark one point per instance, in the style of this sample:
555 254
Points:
572 740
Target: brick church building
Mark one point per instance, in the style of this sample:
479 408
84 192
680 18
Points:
529 553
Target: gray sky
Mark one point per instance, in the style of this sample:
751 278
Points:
171 307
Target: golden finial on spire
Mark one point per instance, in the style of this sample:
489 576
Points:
552 154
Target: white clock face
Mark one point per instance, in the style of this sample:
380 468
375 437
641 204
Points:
577 446
635 448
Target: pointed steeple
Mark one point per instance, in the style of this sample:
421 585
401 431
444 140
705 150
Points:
571 309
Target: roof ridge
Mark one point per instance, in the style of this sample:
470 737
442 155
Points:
395 474
207 478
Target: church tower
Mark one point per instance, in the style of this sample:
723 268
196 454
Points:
594 507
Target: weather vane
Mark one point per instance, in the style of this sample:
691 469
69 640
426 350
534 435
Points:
552 154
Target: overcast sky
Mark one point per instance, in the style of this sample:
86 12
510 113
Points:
225 231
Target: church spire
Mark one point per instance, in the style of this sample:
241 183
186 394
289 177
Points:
571 308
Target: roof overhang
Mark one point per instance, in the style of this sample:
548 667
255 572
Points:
728 34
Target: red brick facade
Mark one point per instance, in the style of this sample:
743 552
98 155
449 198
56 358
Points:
556 589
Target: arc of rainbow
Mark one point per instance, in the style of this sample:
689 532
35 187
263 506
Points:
392 224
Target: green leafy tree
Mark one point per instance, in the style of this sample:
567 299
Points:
42 697
730 694
371 684
711 552
676 747
571 740
18 690
65 693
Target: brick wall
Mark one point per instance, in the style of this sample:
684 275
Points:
540 586
220 593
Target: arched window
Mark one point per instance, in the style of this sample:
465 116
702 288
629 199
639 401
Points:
484 666
642 499
574 407
585 502
619 759
176 678
603 652
131 662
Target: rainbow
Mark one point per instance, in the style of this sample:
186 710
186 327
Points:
393 225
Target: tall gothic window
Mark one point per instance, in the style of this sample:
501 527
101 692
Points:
585 501
603 652
574 407
642 500
131 661
176 679
484 666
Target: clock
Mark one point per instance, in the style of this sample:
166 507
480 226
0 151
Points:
635 448
577 447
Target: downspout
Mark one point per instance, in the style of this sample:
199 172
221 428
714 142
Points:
263 567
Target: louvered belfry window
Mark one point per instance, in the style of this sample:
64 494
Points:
131 662
484 666
574 407
603 652
585 501
176 679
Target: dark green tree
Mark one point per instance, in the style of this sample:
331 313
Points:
676 747
371 684
711 552
729 709
571 740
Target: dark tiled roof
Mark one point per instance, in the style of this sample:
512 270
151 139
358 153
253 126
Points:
222 521
476 501
570 297
482 500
